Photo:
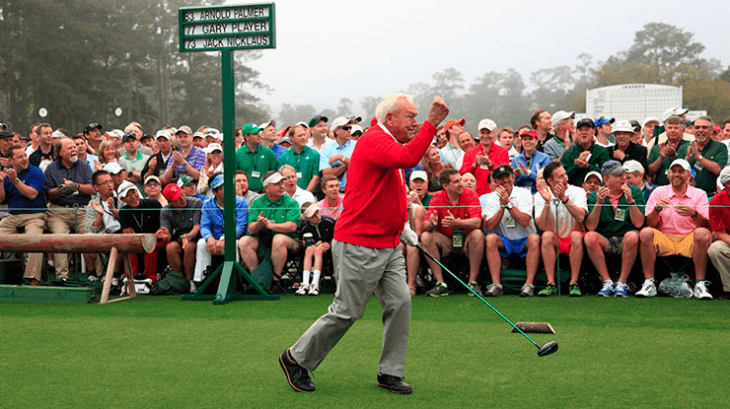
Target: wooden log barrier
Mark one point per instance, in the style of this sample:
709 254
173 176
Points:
114 244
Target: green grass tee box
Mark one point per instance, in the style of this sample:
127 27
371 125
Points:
161 352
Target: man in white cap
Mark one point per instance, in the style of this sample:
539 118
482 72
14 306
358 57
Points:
481 159
677 224
662 137
269 137
335 158
625 149
157 163
188 160
564 124
273 221
647 129
719 251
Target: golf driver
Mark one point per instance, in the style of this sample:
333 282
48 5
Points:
547 349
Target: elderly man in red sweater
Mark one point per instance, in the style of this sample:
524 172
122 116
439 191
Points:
366 250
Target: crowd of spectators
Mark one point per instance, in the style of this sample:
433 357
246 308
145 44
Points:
590 187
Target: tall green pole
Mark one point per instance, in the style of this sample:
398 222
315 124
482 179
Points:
229 157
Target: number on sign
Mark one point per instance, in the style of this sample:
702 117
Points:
191 44
189 16
189 30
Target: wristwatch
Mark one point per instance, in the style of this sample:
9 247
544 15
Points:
16 181
509 205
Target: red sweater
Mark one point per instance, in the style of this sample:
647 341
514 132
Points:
374 208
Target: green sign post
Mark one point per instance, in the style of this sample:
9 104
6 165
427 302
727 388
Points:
225 29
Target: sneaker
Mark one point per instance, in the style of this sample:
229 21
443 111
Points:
607 290
621 290
313 290
394 384
475 287
701 291
528 290
302 290
297 376
548 291
494 290
92 277
648 289
193 287
439 290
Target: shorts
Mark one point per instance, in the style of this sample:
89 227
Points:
517 246
564 244
673 244
615 243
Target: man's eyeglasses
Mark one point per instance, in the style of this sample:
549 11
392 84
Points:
346 128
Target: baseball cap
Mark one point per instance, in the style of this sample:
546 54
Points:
152 178
269 122
88 128
650 119
113 168
185 129
213 147
198 135
125 188
163 133
172 192
561 115
217 181
673 111
681 162
341 121
501 170
600 121
249 128
593 173
309 212
214 133
531 132
632 166
585 122
128 135
304 124
6 134
114 133
418 174
452 122
724 175
273 179
285 139
622 126
487 124
58 134
316 119
612 167
356 128
185 180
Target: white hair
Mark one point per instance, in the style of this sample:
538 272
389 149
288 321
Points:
389 105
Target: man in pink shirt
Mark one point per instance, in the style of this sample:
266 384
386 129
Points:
481 159
678 224
331 205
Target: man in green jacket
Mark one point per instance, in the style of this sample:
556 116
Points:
585 156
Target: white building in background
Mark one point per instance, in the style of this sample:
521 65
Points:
632 101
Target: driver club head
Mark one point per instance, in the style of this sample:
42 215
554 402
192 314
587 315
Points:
548 348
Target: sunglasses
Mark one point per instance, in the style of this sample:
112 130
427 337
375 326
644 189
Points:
346 128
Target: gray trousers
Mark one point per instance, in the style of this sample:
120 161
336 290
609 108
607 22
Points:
362 271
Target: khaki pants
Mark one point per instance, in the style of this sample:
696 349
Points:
33 224
65 220
719 254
